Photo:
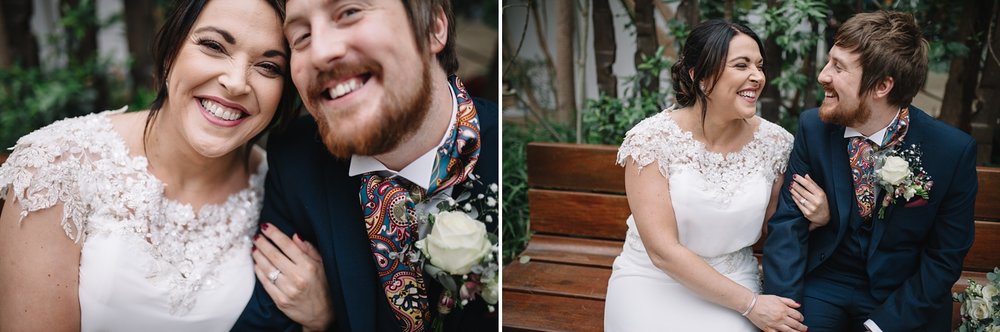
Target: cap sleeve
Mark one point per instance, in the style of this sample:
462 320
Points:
647 142
780 149
45 170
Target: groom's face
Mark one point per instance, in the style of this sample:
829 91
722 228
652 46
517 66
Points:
841 81
359 72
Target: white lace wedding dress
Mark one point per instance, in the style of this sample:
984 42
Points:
147 263
719 204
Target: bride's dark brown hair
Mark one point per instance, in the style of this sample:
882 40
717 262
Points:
703 56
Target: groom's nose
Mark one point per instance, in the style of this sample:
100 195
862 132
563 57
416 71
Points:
824 75
327 46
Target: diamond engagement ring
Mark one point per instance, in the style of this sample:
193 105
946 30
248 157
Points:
273 275
802 201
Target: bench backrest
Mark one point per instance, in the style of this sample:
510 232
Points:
577 190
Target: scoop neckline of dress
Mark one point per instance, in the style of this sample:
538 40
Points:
138 159
757 133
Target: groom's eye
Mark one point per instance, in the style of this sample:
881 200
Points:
298 41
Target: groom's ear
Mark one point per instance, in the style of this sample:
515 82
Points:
884 87
439 31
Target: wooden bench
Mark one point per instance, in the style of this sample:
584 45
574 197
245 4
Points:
578 212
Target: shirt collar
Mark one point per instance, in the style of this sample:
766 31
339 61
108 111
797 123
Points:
878 137
420 170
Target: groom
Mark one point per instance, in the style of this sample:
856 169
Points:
390 124
887 260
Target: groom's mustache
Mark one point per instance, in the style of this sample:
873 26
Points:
340 71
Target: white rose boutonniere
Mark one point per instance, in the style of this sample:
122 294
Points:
458 252
895 170
456 243
900 173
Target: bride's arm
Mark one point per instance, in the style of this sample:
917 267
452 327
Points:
649 199
39 271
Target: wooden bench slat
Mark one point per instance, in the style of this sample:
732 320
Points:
540 312
558 279
579 167
983 255
578 214
576 251
988 197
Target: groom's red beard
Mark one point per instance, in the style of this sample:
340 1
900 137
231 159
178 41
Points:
401 111
845 115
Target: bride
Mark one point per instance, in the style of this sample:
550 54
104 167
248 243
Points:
142 221
701 179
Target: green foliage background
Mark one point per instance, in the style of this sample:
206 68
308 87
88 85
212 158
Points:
31 98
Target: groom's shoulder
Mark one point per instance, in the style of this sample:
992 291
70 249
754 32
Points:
487 112
300 129
489 156
299 139
810 117
941 131
809 121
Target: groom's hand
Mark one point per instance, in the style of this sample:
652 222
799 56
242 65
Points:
291 271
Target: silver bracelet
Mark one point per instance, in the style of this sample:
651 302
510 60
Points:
753 302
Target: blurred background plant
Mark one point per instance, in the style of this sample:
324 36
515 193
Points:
585 71
64 73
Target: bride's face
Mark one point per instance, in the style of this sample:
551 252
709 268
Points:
227 78
742 78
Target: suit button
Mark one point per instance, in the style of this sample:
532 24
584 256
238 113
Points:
822 256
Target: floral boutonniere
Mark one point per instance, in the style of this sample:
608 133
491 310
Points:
459 252
901 174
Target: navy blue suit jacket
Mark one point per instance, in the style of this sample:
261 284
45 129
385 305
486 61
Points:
915 253
308 191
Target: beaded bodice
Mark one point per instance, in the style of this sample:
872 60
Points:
659 138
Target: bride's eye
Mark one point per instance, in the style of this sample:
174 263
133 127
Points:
211 45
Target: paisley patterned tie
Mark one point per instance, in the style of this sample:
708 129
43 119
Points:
389 208
862 152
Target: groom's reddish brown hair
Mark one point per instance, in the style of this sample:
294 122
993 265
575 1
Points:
888 44
421 14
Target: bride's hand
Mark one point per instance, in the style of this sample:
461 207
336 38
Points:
775 313
291 271
811 200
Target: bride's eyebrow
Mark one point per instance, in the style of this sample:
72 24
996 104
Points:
741 58
275 54
225 34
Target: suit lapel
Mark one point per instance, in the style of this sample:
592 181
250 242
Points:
843 184
345 225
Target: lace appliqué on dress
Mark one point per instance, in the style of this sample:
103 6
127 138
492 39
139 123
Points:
84 164
658 138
